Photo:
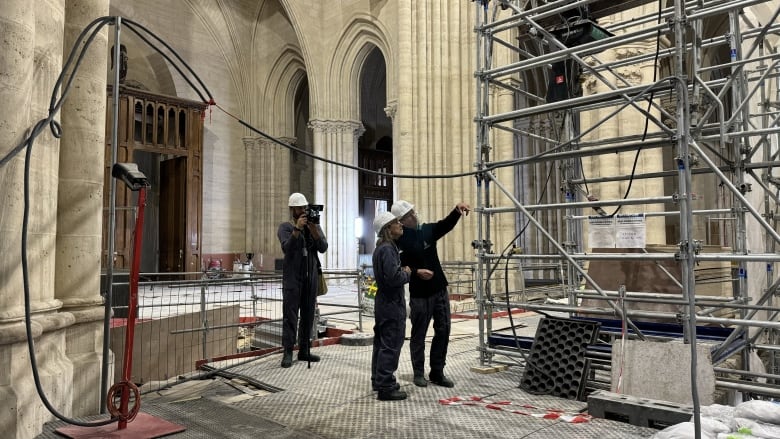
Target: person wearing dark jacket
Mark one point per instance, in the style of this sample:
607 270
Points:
301 240
428 295
389 308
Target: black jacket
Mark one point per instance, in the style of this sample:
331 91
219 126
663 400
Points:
418 250
300 267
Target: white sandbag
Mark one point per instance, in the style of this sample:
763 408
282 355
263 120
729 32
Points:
722 413
763 411
714 426
683 430
758 429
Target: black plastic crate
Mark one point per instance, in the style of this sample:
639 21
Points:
557 364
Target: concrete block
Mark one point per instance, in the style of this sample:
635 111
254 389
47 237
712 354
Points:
662 371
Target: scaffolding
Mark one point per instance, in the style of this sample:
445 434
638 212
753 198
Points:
614 134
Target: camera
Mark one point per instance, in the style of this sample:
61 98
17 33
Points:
313 213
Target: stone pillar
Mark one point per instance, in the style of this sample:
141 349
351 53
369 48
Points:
17 24
17 79
268 175
436 103
253 185
32 55
336 188
80 201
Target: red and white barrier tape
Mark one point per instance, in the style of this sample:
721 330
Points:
529 410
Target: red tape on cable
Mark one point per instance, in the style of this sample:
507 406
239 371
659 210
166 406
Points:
527 410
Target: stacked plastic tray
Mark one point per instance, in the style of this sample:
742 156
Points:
556 364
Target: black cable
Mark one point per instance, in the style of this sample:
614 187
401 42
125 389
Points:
56 129
132 26
56 104
290 147
647 118
357 168
655 70
528 362
93 28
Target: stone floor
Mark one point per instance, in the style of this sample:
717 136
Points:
333 399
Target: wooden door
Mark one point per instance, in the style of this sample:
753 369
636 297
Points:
173 214
172 128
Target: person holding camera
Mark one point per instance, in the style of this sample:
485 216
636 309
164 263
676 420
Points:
428 295
389 308
301 239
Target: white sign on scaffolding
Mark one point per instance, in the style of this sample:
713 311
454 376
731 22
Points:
620 231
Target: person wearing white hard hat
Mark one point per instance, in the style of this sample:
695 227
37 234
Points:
301 240
389 308
428 295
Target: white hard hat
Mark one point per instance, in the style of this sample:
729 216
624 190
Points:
401 208
297 200
382 219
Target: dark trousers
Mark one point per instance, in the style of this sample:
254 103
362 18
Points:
293 301
423 309
389 332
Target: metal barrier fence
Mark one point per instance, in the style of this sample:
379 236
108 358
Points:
227 318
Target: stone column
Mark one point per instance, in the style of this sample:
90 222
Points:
436 103
17 24
32 55
336 188
268 171
27 48
252 159
80 201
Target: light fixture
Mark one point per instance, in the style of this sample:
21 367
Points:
358 227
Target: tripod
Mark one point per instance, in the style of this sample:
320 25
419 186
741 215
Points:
307 299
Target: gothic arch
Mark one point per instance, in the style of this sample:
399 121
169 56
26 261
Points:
357 41
291 9
162 73
287 74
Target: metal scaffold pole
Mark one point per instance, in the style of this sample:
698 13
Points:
638 155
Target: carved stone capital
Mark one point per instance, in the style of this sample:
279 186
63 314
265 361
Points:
289 140
250 142
391 108
264 143
337 126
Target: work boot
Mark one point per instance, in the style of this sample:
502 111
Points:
376 389
308 356
439 379
287 358
419 381
391 395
